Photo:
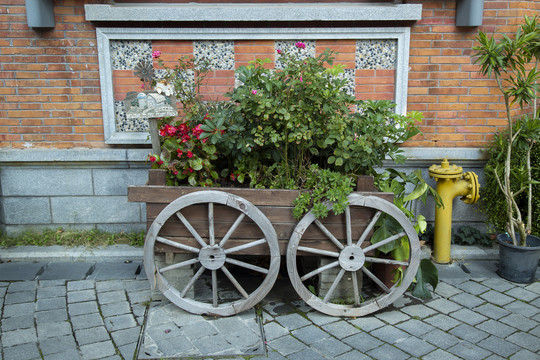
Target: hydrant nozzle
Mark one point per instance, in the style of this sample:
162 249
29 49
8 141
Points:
454 183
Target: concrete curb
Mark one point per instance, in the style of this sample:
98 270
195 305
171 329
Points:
126 252
73 254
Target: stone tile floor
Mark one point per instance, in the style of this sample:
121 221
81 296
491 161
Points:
82 314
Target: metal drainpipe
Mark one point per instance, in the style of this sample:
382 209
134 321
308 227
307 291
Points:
39 13
469 12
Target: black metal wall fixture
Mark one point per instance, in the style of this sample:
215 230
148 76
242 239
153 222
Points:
40 14
469 12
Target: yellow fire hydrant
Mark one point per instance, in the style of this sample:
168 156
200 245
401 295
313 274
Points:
451 182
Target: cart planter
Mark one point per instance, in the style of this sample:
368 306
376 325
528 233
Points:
222 228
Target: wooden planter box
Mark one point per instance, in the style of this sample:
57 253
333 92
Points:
209 227
276 205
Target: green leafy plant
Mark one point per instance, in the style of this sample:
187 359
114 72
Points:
397 183
509 60
321 185
468 235
188 149
285 121
427 274
492 201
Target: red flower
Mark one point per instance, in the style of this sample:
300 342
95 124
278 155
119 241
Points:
180 152
233 177
175 172
189 154
190 170
300 45
152 158
160 162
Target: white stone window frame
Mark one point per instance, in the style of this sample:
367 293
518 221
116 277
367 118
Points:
106 35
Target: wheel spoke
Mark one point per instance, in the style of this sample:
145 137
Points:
191 229
334 286
232 229
319 270
384 242
211 224
214 289
246 265
245 246
318 251
348 223
355 289
179 265
235 282
368 228
386 261
177 245
376 280
329 234
192 281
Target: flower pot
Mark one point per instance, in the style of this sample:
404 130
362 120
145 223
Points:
518 263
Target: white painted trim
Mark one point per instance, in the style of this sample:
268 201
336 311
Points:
105 35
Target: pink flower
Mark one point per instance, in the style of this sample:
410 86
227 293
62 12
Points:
180 152
156 54
142 86
175 172
197 131
278 51
301 80
254 92
189 154
171 130
233 177
300 45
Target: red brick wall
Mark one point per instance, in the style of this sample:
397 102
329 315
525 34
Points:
50 90
460 107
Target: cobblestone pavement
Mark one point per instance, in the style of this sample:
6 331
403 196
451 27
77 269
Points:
73 311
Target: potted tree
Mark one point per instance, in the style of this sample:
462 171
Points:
513 64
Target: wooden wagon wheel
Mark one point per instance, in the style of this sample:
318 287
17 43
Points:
352 257
212 253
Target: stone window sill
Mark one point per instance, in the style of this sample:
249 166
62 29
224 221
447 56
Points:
254 12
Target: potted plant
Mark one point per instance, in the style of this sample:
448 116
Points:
513 63
290 141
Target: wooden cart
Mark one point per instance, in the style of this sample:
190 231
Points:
220 230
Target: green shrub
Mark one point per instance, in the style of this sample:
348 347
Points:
492 201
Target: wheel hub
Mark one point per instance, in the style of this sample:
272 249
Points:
212 257
352 258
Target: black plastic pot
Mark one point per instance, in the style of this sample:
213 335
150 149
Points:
518 263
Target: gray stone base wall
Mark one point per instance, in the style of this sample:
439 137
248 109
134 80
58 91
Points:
72 189
87 188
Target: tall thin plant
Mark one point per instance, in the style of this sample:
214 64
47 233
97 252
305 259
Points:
513 63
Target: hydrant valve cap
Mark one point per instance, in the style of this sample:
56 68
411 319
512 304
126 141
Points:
445 171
